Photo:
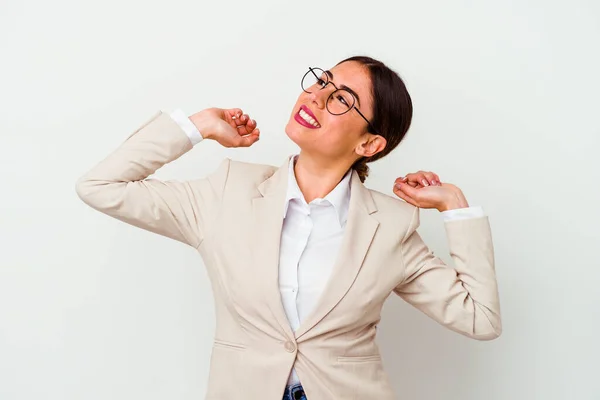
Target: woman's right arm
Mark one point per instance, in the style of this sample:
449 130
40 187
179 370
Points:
119 185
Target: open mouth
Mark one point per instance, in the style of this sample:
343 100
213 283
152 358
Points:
306 118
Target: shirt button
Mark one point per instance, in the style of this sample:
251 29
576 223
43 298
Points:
290 347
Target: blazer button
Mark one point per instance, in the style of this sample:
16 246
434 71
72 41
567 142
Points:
289 346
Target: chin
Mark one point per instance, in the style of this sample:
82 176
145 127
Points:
307 139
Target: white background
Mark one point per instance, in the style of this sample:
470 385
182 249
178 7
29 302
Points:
506 107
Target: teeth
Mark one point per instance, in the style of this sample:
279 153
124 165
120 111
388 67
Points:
308 118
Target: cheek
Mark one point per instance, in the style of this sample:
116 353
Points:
340 133
295 107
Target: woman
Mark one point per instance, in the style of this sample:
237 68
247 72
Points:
302 257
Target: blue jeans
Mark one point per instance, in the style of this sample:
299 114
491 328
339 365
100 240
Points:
294 392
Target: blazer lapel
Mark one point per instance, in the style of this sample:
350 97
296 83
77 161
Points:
359 232
267 213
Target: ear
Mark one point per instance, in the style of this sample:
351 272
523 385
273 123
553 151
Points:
372 145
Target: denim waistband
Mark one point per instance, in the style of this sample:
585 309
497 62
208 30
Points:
294 392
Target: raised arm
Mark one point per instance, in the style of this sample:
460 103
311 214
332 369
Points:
463 297
119 185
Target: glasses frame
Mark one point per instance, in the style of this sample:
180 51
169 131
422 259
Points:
327 82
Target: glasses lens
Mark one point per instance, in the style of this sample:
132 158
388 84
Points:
341 101
314 80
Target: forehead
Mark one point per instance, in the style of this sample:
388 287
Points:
356 77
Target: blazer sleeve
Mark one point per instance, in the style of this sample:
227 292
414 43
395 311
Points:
464 298
119 185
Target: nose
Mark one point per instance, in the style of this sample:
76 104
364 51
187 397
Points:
319 97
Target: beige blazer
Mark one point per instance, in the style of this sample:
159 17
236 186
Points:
233 217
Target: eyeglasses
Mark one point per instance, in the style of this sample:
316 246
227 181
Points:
340 101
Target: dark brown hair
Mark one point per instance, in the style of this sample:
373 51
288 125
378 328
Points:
392 109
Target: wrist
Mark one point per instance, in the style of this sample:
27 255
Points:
455 201
202 123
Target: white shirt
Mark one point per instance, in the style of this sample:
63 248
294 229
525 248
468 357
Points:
310 239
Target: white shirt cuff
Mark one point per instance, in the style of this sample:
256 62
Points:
463 213
188 126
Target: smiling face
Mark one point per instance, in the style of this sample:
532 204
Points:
333 137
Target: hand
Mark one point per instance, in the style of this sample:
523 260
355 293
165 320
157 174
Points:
425 190
230 127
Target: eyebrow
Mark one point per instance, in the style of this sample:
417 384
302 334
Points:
345 87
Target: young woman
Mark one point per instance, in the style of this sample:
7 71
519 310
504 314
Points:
302 257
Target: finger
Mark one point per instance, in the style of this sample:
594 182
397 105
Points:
411 179
239 121
247 126
405 179
399 190
419 178
233 117
433 178
401 179
249 140
410 192
251 125
234 113
430 176
242 119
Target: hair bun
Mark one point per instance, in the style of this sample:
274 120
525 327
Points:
362 169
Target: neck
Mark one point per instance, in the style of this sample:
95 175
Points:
317 178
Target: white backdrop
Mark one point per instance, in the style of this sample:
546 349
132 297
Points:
506 106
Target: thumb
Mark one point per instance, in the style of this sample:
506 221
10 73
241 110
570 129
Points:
249 140
405 192
407 189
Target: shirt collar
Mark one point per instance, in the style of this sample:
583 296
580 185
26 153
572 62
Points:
339 197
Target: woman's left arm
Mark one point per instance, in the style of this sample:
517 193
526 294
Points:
464 298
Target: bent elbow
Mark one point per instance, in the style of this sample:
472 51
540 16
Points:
82 188
490 335
94 193
488 328
85 189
